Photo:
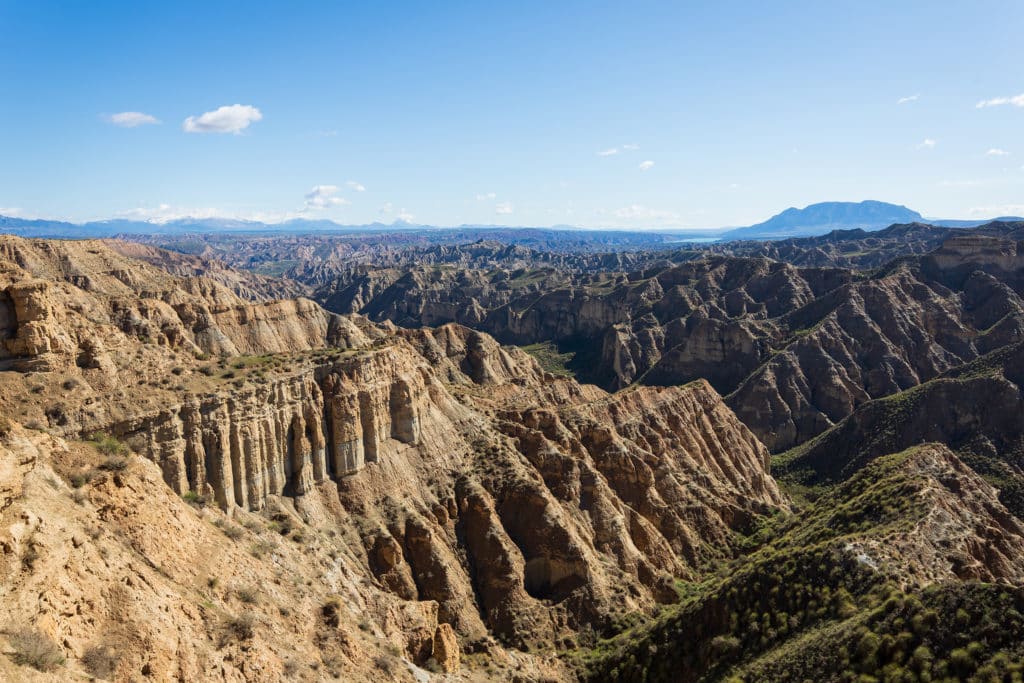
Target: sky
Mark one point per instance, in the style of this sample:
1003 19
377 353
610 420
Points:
596 114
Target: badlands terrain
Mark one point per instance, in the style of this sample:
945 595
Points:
319 457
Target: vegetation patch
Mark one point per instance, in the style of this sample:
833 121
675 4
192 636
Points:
551 359
35 649
108 445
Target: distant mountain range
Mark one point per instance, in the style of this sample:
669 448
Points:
816 219
819 219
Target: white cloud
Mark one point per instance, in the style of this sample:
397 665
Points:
228 119
164 213
322 197
640 212
131 119
486 196
927 143
996 152
504 209
10 211
908 99
1016 100
401 214
358 187
612 151
646 165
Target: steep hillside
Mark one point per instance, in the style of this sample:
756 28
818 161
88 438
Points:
975 408
868 580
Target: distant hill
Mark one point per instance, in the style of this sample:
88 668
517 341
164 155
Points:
941 222
818 219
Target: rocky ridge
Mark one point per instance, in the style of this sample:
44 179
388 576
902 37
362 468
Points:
794 349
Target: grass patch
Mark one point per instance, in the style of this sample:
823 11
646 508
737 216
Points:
551 359
108 444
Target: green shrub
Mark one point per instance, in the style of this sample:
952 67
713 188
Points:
193 497
108 445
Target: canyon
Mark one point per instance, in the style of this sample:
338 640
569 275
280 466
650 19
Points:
215 472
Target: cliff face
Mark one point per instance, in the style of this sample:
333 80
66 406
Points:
572 505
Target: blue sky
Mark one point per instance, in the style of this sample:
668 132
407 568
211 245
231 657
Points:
633 114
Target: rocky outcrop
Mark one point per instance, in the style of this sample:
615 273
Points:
247 285
962 533
75 303
283 436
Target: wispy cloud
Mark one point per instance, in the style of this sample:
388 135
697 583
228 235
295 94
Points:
927 143
358 187
646 165
1000 210
323 197
1016 101
612 151
483 197
908 99
401 214
232 118
640 212
10 211
996 152
131 119
503 209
